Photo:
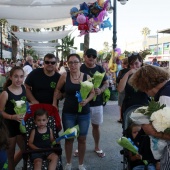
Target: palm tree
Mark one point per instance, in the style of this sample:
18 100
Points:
14 43
67 43
86 42
145 31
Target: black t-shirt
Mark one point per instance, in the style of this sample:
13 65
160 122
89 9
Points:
71 101
91 71
164 91
43 86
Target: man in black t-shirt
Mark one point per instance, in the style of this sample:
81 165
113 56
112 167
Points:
96 107
41 82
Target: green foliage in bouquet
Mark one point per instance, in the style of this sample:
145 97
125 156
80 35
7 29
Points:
151 108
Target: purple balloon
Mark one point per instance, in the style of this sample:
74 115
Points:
118 50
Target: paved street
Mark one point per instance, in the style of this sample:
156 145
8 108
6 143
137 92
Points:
110 132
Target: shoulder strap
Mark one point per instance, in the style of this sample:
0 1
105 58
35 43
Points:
84 77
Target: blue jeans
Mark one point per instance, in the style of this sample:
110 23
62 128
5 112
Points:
142 167
3 158
70 120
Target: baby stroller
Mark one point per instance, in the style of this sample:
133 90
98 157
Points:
126 122
142 141
54 123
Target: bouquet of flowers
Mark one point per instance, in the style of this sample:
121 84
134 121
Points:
21 109
68 134
159 116
97 80
128 144
85 88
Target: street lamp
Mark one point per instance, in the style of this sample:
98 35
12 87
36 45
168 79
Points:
1 37
123 2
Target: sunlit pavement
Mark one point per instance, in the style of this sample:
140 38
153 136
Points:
110 132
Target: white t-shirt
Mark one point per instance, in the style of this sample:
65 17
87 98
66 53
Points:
62 70
27 69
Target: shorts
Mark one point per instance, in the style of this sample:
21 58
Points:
3 158
13 128
70 120
96 115
142 167
42 155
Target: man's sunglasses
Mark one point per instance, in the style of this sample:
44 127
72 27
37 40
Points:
50 62
89 56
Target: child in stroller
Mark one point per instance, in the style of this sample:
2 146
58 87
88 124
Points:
141 140
42 137
53 123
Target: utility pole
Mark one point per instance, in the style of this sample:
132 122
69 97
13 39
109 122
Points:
1 38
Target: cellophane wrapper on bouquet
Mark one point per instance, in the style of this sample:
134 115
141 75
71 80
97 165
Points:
85 88
97 80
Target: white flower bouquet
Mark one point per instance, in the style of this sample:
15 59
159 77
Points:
159 116
21 109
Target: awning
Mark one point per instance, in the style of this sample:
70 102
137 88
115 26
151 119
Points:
167 31
39 44
42 36
43 2
38 9
43 48
40 23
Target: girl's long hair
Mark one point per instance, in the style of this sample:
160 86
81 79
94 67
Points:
8 81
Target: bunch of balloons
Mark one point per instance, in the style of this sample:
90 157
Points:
90 17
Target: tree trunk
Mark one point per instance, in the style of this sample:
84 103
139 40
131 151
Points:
86 42
14 43
14 48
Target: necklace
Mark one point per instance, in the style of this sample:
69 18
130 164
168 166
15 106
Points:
76 78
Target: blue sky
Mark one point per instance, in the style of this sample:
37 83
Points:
131 18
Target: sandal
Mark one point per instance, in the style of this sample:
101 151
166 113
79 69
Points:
76 153
100 153
119 121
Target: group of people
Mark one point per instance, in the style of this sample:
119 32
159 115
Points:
46 85
138 82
